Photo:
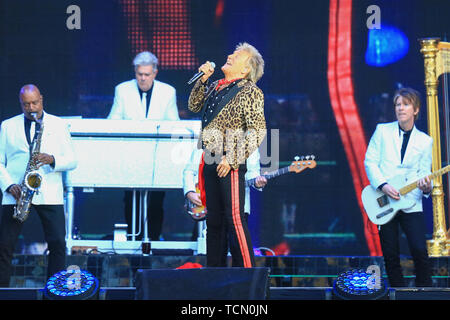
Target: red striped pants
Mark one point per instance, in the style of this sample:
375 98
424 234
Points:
225 221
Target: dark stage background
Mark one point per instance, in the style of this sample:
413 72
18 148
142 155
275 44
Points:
315 212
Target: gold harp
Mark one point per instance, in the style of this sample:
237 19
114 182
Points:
436 56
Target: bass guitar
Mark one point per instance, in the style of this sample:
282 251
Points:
198 213
381 208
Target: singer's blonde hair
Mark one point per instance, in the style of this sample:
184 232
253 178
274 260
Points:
255 61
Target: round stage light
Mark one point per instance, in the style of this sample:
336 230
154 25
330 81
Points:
385 46
72 284
358 285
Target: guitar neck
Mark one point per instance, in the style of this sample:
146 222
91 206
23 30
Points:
410 187
268 176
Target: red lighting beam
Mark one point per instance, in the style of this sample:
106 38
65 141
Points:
345 109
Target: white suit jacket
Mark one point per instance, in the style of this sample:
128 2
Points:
14 157
127 102
190 173
383 160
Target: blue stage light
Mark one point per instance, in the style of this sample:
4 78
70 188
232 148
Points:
72 285
385 46
354 285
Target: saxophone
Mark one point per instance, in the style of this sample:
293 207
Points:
32 179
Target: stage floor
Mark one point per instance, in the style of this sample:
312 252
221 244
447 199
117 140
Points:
118 270
275 294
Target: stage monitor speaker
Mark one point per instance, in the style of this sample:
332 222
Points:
202 284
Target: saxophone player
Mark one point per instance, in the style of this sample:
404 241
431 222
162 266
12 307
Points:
18 135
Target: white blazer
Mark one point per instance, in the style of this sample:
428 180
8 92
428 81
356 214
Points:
14 157
190 173
383 159
127 102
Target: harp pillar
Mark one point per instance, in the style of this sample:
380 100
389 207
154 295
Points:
439 245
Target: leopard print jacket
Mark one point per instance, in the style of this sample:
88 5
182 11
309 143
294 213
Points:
239 128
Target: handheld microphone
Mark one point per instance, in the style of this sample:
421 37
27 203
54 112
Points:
200 74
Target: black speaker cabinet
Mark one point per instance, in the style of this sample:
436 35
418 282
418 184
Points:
202 284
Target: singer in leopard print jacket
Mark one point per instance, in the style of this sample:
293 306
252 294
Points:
235 129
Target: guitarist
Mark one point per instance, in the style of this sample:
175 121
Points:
399 148
190 179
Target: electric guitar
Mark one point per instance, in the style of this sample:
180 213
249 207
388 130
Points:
381 208
198 213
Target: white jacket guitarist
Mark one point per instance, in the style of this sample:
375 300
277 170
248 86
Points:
383 165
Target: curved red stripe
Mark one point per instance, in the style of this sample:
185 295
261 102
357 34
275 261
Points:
237 219
344 106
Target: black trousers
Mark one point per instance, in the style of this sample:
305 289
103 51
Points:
225 199
155 213
53 222
226 242
413 225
